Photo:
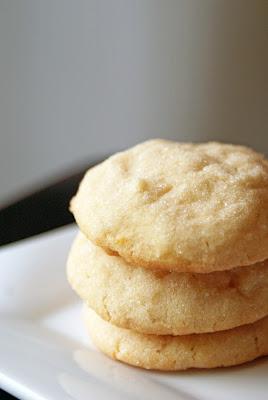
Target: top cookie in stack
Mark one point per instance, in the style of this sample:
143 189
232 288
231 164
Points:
174 255
182 207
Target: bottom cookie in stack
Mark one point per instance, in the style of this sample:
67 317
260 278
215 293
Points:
171 353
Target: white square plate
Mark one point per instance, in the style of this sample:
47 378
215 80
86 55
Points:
45 353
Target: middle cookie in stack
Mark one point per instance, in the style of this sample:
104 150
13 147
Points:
173 267
166 303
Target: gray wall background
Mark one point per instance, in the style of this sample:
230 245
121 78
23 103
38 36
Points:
84 78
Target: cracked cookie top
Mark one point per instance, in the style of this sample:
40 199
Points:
178 206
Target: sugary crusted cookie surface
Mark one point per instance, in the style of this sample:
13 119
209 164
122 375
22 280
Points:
208 350
184 207
166 303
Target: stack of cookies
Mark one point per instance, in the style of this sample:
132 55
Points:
172 256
